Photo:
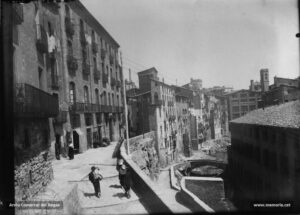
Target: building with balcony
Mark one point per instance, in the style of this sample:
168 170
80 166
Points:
263 157
91 81
37 98
184 98
157 108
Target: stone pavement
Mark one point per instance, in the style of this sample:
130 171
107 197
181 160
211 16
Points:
68 173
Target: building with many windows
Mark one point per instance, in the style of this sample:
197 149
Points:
37 66
241 102
92 78
68 87
158 113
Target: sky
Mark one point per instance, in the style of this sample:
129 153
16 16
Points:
222 42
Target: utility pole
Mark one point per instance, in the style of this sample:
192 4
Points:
125 107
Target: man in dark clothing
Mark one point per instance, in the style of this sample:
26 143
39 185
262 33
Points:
125 179
57 146
95 177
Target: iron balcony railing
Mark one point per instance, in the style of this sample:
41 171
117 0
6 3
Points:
158 102
72 65
34 102
97 74
86 68
61 117
82 107
119 84
69 27
113 82
103 53
94 47
42 39
106 108
111 59
82 38
17 11
104 78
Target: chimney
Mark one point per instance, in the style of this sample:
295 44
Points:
129 75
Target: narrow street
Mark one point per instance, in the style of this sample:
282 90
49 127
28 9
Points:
68 173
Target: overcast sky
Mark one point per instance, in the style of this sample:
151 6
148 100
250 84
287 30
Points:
221 42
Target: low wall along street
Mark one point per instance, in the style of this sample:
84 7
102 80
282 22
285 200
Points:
144 154
144 187
33 176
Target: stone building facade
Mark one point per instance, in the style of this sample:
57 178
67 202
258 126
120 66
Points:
68 86
92 79
184 101
263 156
36 100
158 113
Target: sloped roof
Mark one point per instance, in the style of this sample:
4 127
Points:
284 115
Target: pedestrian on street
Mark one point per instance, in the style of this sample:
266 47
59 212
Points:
71 151
95 177
125 179
57 146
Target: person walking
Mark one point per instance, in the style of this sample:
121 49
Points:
125 179
95 177
57 146
71 151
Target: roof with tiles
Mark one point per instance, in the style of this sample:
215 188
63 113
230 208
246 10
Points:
284 115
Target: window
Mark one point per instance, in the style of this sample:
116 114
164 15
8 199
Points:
118 103
95 62
97 96
104 98
113 99
72 93
86 94
109 99
244 108
235 109
40 70
70 48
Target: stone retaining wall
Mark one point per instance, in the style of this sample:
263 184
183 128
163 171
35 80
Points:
144 154
33 176
145 188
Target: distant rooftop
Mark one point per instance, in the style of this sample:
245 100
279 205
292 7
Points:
284 115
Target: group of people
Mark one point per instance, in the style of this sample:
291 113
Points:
124 178
58 146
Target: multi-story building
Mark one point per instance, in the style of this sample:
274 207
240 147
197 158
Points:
283 90
37 66
67 80
264 155
91 80
241 102
132 96
184 99
158 113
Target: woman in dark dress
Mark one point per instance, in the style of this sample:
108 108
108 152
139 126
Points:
125 179
71 151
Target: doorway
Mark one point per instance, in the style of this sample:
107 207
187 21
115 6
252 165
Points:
111 129
76 142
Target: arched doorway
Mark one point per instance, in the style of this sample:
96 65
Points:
76 142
